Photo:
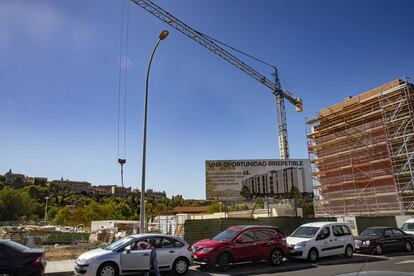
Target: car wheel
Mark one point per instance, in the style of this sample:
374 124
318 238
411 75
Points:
6 273
276 257
349 251
408 246
313 255
224 262
180 266
108 269
378 249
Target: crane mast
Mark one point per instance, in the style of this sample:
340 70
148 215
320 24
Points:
205 41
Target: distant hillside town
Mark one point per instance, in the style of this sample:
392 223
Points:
17 180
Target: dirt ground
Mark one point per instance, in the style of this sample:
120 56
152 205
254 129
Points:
66 252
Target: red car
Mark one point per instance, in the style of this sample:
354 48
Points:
240 244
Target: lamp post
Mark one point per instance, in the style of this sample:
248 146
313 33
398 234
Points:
47 199
163 35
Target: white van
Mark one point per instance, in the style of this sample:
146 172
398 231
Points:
408 227
319 239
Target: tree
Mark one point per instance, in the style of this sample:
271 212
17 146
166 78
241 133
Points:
245 192
302 201
215 207
51 212
122 210
14 204
178 200
36 192
62 217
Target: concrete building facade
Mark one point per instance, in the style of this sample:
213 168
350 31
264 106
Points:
70 185
14 179
277 182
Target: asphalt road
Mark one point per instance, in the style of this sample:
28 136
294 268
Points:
325 267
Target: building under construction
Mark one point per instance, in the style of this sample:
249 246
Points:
362 152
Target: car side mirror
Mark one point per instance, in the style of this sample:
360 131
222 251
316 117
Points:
238 240
127 249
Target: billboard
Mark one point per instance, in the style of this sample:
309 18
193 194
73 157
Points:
230 179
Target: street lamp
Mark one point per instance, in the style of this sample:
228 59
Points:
163 35
47 199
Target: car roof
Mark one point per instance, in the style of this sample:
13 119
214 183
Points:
323 223
149 235
409 220
244 227
380 227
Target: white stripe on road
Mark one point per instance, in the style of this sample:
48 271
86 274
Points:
406 262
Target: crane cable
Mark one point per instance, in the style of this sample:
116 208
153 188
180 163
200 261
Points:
245 54
237 50
122 83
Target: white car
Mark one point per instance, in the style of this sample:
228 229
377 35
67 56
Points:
123 258
319 239
408 227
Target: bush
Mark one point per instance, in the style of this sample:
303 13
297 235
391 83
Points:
64 237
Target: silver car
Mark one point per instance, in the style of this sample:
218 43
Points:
123 257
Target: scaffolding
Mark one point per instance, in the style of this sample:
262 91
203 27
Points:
362 153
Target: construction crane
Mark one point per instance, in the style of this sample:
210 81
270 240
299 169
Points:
208 43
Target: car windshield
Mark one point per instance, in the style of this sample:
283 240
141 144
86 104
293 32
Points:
17 246
372 232
118 244
226 235
305 232
408 226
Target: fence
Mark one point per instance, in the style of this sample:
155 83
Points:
364 222
207 228
196 230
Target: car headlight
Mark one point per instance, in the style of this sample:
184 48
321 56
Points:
301 244
85 261
366 242
207 249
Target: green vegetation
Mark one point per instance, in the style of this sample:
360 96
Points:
59 237
66 208
16 204
302 201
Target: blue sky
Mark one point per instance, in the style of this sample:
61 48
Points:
59 82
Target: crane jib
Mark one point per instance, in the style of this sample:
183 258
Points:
163 15
209 44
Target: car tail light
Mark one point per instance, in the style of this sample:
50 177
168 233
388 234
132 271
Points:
189 249
38 260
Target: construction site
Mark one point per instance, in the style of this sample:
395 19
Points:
362 152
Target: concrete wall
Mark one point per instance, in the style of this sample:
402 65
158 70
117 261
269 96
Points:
99 224
402 219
